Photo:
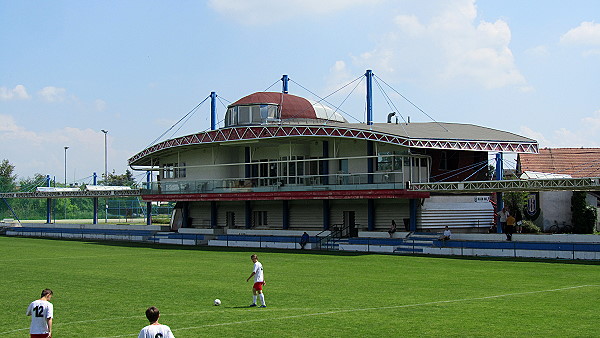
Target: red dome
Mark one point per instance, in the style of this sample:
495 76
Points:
291 106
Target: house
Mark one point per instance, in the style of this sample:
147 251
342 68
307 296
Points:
554 207
285 162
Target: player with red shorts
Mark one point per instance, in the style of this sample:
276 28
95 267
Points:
259 281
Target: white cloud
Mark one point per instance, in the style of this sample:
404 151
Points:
582 136
43 152
447 48
538 51
100 105
17 93
265 12
587 33
339 77
53 94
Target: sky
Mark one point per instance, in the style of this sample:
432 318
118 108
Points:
69 69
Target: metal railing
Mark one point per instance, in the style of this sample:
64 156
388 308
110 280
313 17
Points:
283 183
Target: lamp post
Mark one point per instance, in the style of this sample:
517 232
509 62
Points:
66 165
105 154
105 174
66 179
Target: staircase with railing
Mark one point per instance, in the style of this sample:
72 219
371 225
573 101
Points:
331 241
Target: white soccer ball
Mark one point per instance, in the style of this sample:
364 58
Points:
217 302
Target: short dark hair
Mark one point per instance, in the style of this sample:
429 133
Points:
46 292
254 256
152 314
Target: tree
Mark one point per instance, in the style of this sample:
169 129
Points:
583 215
7 178
515 201
125 179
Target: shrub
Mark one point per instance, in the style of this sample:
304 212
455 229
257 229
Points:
530 227
161 220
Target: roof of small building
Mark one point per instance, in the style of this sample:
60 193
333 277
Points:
577 162
292 106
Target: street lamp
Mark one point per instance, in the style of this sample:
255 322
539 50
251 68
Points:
105 174
66 179
105 155
66 165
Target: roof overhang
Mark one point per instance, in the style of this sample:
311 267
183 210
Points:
350 131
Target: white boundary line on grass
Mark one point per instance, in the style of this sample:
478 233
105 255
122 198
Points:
314 314
372 308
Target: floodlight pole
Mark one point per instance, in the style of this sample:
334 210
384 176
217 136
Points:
105 174
499 177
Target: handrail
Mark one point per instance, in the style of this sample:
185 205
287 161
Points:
336 233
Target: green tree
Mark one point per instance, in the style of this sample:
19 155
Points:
125 179
515 201
7 177
583 215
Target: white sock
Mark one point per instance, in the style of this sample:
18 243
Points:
262 298
254 299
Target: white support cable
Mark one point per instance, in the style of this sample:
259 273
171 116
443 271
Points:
409 101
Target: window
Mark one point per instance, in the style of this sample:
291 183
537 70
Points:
168 170
181 171
390 161
173 170
385 161
244 115
259 218
251 114
230 219
443 160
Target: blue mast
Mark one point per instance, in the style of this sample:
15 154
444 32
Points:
369 75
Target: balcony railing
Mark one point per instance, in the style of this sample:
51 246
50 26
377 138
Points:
386 180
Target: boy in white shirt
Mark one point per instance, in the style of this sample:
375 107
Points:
41 312
259 281
155 329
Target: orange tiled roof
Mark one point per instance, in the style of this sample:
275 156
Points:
577 162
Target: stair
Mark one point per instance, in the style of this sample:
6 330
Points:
415 242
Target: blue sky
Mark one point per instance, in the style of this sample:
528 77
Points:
71 68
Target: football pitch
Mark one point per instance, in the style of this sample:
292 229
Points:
102 289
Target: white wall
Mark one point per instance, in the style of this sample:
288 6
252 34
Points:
555 208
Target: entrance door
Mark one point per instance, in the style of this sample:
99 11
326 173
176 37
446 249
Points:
349 224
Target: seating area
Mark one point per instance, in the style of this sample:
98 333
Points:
81 233
586 247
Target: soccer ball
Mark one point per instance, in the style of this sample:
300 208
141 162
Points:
217 302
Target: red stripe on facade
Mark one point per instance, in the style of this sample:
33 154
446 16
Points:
290 195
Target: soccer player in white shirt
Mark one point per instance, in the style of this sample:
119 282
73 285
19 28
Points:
259 281
155 330
41 312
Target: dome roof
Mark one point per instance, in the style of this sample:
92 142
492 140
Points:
291 106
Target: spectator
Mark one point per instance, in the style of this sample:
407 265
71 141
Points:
392 229
303 240
510 227
503 215
446 235
519 219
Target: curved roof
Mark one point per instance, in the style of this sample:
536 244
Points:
291 106
453 136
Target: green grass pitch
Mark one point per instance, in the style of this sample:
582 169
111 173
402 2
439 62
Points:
103 289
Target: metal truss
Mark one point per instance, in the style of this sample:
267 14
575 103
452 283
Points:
280 131
556 184
71 194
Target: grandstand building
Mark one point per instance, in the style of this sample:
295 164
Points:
284 162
